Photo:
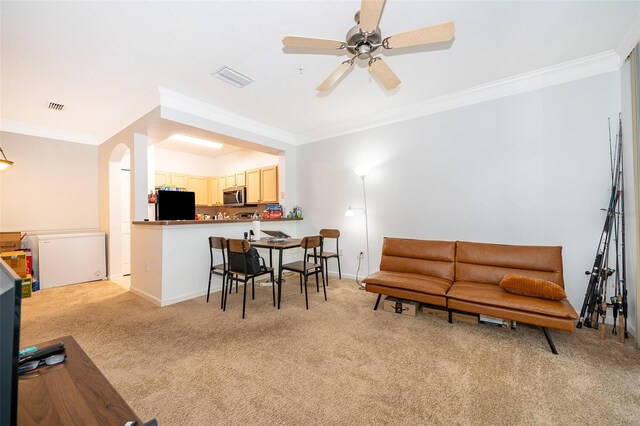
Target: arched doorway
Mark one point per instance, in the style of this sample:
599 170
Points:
119 213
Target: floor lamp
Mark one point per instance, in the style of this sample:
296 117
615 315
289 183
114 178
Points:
362 172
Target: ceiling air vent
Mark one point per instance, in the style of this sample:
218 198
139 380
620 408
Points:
232 77
55 106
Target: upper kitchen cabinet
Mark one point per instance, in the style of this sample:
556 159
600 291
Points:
213 191
179 180
162 179
252 182
262 185
198 184
269 184
231 181
222 184
241 179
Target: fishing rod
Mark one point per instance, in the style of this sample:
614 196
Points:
615 299
623 279
593 302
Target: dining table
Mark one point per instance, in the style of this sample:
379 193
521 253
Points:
279 244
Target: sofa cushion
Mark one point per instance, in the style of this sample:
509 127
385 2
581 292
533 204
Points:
490 294
408 281
489 263
432 258
535 287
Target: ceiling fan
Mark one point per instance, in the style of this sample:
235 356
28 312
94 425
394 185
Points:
365 39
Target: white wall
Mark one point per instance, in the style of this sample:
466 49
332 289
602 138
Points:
181 162
527 169
53 185
243 160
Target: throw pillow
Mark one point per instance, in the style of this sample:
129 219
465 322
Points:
536 287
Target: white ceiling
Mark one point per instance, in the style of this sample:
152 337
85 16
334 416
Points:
99 58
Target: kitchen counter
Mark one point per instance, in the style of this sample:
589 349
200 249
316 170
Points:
170 258
208 222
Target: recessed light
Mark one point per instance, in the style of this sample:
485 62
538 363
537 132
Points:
232 77
196 141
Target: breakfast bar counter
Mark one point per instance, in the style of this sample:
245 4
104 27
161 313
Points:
170 259
200 222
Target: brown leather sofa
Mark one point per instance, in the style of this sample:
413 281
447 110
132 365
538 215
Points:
465 276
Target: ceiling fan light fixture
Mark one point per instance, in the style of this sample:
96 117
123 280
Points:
366 38
232 77
4 163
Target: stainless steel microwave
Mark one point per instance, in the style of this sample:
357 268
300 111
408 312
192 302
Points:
234 196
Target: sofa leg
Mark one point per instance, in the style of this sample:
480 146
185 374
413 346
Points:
375 308
550 341
450 316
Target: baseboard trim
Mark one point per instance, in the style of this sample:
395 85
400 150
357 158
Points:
192 295
145 295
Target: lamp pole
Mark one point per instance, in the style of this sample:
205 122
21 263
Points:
366 220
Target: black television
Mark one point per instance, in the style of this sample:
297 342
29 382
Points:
176 205
10 300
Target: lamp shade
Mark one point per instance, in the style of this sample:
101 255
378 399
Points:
4 163
361 171
349 212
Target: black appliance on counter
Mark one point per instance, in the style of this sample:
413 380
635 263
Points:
176 205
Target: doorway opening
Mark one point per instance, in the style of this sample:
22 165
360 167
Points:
119 246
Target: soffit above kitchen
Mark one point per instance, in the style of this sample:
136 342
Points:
99 58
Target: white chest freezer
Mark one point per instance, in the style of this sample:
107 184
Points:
71 258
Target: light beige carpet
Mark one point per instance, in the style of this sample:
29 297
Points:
337 363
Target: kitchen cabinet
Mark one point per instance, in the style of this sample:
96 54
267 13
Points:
231 181
252 182
269 184
179 180
162 179
241 179
222 184
262 185
198 184
213 191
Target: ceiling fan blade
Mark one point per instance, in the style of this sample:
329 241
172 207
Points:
333 78
383 73
370 11
426 35
323 43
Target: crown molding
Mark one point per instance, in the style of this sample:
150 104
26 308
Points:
135 112
180 102
630 40
557 74
550 76
30 129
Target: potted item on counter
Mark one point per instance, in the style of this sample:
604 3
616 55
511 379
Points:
296 213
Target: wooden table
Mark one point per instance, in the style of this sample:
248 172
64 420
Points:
288 243
72 393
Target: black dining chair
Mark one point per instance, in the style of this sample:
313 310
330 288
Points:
218 243
305 268
326 255
238 247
